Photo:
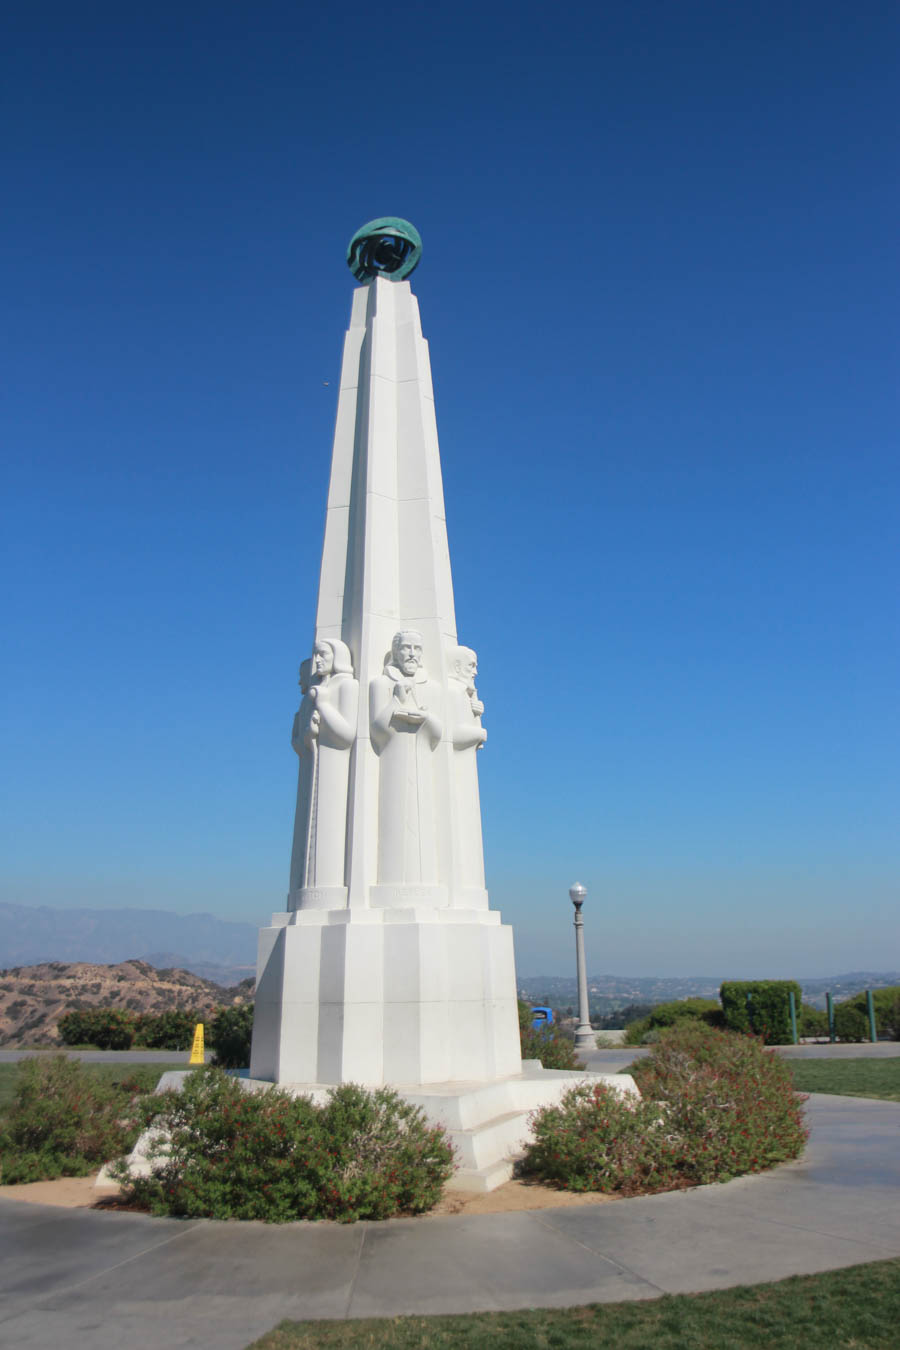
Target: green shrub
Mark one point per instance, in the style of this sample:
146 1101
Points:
548 1043
812 1021
632 1012
232 1154
230 1036
889 1015
119 1029
761 1007
596 1140
705 1010
714 1105
106 1028
850 1023
887 1011
64 1122
170 1030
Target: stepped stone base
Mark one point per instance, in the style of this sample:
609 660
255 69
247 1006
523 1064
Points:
487 1123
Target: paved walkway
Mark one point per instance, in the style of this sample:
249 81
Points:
611 1061
90 1280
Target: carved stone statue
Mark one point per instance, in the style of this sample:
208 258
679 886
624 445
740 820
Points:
464 710
406 726
324 729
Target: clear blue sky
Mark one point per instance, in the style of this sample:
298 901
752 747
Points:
660 287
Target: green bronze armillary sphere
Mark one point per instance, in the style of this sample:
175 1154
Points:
387 247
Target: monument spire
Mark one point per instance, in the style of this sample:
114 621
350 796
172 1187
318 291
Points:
385 561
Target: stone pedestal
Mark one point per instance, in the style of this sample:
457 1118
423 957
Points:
374 996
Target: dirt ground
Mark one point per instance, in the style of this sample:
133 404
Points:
67 1192
81 1193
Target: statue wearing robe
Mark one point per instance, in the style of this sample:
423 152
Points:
468 735
324 729
406 727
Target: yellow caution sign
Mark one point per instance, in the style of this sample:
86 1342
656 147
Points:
197 1047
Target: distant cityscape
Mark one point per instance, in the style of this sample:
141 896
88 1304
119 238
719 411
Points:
608 994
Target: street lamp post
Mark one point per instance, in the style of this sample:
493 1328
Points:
585 1038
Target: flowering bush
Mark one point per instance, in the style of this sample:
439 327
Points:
596 1140
65 1121
714 1105
223 1153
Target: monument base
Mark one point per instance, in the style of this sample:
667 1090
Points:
488 1124
388 995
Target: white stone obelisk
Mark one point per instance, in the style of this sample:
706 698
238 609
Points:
388 965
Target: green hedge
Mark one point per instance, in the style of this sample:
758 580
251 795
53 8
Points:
119 1029
887 1011
230 1036
106 1028
851 1023
705 1010
812 1021
760 1007
172 1030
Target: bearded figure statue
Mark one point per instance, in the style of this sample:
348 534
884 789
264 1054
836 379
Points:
406 726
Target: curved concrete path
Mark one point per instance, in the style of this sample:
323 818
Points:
90 1280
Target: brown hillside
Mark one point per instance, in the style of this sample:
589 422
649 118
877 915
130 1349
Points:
33 998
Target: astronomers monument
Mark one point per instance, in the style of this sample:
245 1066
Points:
388 965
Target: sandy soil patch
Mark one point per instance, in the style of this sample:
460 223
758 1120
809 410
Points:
513 1195
67 1192
81 1193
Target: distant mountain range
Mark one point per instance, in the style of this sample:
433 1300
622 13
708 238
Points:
221 951
33 998
224 952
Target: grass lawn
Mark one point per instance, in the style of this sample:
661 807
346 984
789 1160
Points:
147 1075
849 1077
854 1309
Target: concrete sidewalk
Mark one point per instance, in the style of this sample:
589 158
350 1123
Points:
91 1280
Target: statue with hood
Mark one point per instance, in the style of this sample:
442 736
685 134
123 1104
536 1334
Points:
468 736
324 729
